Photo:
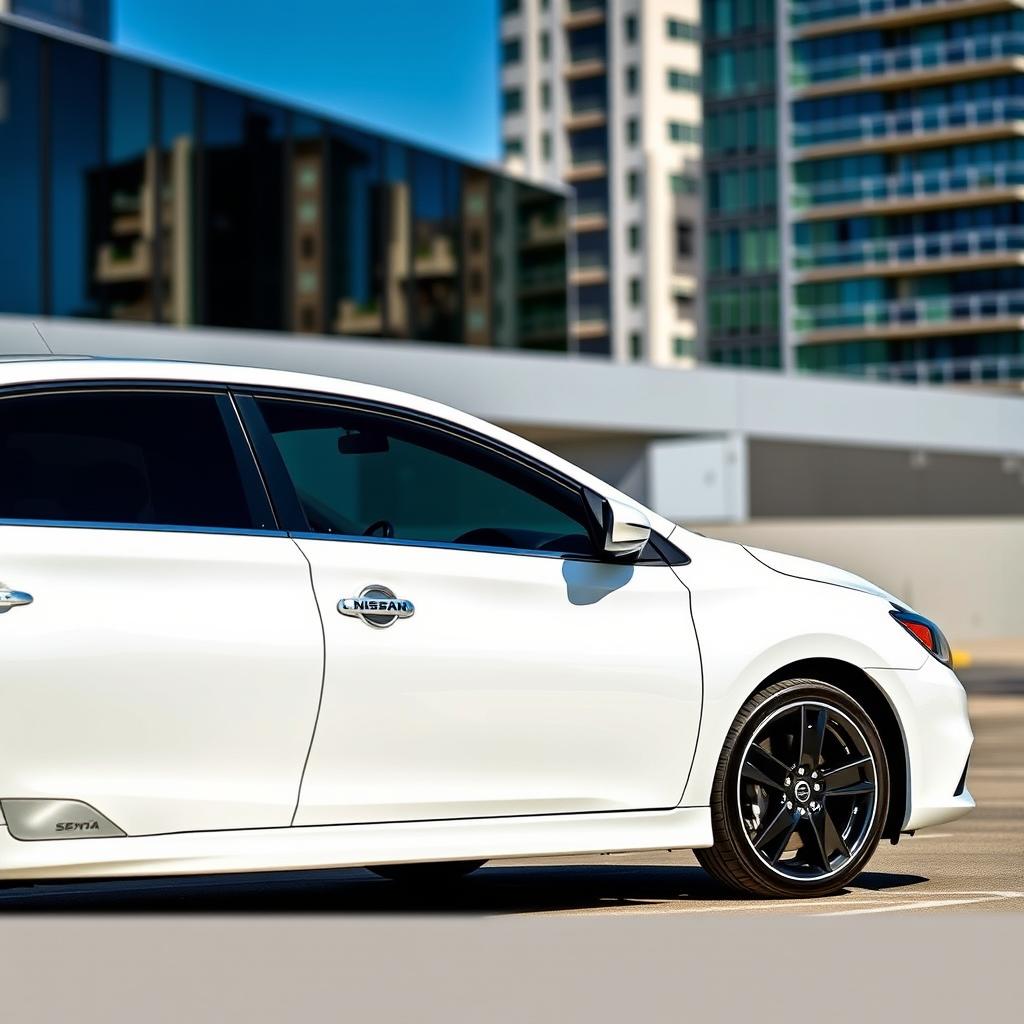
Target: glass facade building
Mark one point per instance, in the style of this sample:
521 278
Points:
131 192
906 233
741 182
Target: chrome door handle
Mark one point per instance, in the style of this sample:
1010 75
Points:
13 599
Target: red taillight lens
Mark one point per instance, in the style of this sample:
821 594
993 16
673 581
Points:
925 632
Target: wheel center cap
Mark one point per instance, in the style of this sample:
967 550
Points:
802 791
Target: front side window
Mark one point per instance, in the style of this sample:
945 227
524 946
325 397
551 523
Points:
124 457
357 473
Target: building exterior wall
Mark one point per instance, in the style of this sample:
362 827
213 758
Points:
904 213
741 294
136 193
605 95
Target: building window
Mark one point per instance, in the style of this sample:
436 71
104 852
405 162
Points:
630 26
679 29
633 235
682 348
513 147
635 291
509 7
545 145
633 184
681 131
683 81
545 95
632 79
633 131
636 345
511 51
512 100
545 45
683 184
684 239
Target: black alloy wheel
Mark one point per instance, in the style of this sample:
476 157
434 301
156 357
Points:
801 793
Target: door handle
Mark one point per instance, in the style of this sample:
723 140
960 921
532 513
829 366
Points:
13 599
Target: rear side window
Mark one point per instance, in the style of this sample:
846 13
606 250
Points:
131 457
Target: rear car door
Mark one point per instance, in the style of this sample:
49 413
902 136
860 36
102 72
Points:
167 671
480 660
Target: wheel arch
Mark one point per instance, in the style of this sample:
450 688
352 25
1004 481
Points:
862 688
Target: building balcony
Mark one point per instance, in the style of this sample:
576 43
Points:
821 17
537 327
581 13
909 318
540 232
591 112
910 65
541 280
982 369
947 186
909 254
120 262
586 62
590 322
898 129
587 164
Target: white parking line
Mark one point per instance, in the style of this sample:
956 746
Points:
961 899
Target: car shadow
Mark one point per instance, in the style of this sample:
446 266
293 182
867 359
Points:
494 890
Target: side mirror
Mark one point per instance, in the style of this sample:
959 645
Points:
620 531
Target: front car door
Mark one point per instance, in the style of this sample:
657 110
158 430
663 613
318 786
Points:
167 671
514 673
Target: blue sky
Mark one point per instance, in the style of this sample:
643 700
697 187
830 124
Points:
420 69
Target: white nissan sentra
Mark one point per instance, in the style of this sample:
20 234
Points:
261 620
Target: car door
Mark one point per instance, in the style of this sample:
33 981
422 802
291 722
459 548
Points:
480 660
162 650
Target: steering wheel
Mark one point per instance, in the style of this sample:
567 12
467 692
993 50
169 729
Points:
385 526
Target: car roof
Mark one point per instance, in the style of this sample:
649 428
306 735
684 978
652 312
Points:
44 369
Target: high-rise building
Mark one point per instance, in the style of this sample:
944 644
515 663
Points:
91 17
903 209
741 283
605 95
133 192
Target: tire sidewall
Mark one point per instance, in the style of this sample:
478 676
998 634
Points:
798 690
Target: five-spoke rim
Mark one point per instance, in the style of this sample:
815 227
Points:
807 790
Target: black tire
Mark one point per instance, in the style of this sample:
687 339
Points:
780 831
431 873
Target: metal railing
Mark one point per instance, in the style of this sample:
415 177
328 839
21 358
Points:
585 53
596 207
802 12
919 248
922 57
580 107
980 369
914 185
939 309
583 156
919 121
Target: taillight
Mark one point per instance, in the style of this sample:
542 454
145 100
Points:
925 632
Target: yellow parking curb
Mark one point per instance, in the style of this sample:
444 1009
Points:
962 659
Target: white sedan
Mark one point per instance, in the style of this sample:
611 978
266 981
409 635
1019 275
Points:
260 620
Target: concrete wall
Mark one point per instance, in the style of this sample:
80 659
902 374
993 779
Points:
966 574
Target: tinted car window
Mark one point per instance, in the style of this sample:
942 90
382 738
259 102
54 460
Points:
357 472
147 458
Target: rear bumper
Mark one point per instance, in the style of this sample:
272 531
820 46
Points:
931 706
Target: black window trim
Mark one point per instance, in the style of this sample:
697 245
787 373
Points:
660 550
254 488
